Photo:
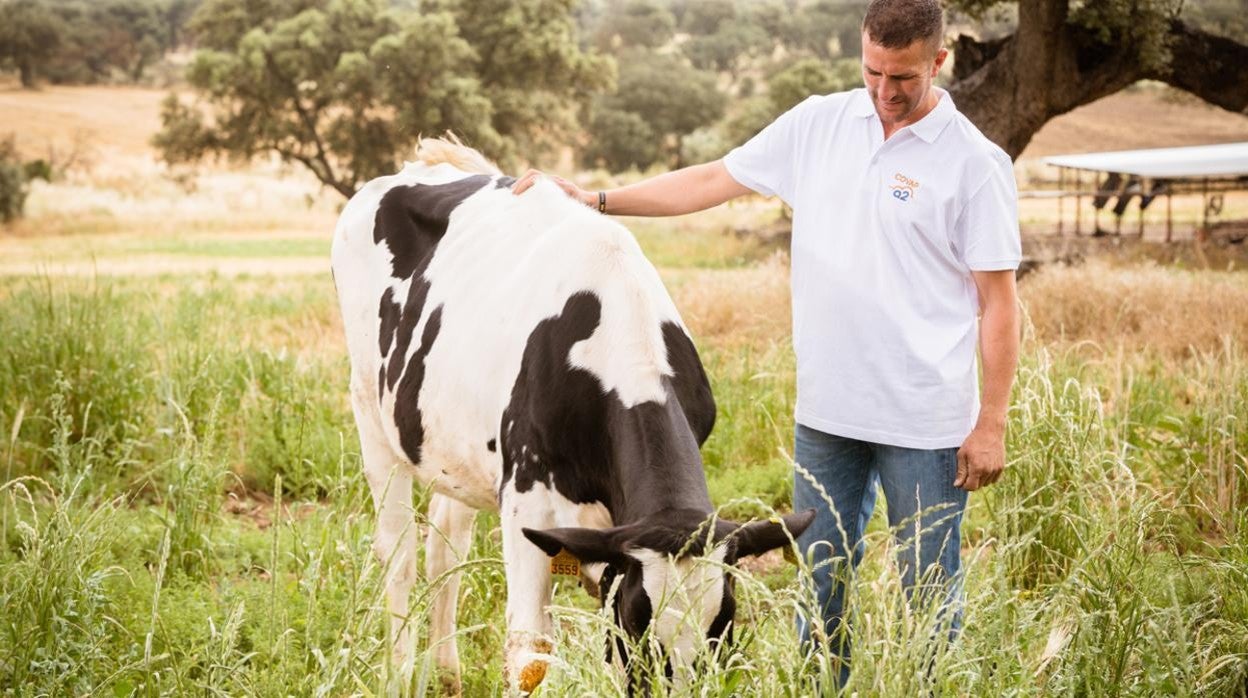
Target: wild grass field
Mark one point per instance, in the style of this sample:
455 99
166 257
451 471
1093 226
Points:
182 510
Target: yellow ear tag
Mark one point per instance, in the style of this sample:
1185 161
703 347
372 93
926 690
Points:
565 563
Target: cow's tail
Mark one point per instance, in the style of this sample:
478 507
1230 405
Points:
451 150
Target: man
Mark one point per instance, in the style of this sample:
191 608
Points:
905 229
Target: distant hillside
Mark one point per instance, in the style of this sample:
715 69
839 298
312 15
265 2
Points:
118 120
1141 117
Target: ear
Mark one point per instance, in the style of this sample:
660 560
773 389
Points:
587 544
759 537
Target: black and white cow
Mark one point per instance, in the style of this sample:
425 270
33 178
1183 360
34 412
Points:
519 353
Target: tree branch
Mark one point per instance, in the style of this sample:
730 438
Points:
1211 67
309 125
1011 87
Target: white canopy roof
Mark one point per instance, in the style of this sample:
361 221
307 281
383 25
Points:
1224 160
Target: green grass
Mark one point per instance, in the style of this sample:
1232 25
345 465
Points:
183 513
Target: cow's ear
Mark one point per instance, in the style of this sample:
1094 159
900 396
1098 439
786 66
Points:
759 537
587 544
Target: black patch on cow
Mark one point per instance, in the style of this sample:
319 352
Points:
690 382
406 399
492 445
388 314
408 319
560 427
558 413
381 383
504 182
411 219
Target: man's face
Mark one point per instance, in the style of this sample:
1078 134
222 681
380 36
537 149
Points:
900 80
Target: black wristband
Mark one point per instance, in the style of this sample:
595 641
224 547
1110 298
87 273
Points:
602 202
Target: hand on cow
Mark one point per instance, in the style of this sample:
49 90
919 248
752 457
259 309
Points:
528 178
981 460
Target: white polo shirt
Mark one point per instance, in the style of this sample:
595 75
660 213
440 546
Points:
885 236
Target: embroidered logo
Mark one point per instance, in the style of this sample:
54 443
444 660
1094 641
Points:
904 189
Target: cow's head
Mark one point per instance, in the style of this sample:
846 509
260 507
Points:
672 562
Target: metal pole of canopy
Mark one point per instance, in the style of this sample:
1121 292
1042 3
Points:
1078 197
1169 220
1204 209
1061 198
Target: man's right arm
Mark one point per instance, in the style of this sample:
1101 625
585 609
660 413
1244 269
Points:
675 193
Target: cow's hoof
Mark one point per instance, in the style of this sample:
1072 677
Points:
451 685
531 675
533 671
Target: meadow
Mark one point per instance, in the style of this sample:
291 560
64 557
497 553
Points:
182 509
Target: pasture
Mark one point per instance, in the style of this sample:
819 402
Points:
182 509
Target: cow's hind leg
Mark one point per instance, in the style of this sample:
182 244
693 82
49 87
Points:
528 588
446 545
394 542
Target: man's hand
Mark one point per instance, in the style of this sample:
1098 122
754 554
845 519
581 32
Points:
981 459
528 178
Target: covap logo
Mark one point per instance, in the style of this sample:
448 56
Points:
904 189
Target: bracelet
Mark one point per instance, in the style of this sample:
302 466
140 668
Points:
602 202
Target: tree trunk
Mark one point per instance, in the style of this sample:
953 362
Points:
1011 87
27 71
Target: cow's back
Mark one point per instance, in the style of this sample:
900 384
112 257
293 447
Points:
438 320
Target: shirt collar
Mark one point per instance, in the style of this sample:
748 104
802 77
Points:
930 126
927 128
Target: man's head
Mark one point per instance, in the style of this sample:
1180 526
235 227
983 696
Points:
901 53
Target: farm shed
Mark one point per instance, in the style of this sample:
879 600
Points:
1145 175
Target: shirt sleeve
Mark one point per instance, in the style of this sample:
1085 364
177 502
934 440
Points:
987 231
766 162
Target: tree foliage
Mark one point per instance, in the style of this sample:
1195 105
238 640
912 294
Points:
811 76
346 87
12 181
28 36
1065 53
84 41
619 140
645 92
530 68
635 23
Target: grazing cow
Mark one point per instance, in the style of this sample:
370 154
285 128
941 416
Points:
519 353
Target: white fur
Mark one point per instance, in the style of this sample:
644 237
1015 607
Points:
685 596
506 263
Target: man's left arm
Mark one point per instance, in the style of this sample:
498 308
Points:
982 456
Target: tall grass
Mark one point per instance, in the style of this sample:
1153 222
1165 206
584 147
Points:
183 511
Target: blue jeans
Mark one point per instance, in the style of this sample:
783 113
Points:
918 487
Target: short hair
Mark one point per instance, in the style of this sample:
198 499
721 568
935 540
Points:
898 23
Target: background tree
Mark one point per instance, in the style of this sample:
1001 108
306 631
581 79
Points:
704 17
343 87
619 140
634 23
670 96
732 42
1067 53
530 69
13 180
29 36
811 76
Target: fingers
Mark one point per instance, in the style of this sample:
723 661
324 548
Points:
525 181
529 178
994 475
976 473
